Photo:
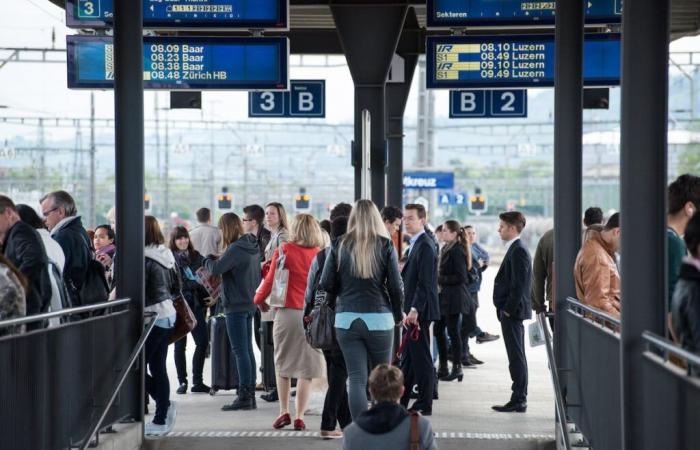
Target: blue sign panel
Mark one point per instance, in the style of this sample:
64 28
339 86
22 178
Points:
478 62
488 103
461 198
306 98
185 62
428 180
267 14
464 13
445 199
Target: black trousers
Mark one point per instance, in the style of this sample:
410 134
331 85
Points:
335 407
200 334
451 322
157 382
468 326
514 338
417 367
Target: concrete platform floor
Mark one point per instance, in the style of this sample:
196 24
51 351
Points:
462 417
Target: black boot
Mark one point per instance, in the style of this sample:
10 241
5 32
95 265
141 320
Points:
270 396
251 391
244 401
442 370
455 374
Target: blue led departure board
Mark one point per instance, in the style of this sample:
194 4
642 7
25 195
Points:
463 13
186 63
264 14
479 62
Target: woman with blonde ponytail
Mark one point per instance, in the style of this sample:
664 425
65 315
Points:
453 279
362 272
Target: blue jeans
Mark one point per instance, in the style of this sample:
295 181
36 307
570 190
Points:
357 344
240 334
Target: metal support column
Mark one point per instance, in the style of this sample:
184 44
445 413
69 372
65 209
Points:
129 168
369 34
396 97
643 174
568 145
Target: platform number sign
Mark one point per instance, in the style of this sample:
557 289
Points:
306 98
460 199
89 9
488 103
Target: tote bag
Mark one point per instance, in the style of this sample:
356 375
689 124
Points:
278 295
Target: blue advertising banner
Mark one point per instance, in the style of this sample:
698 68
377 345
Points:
306 98
479 62
464 13
185 62
244 14
428 180
488 103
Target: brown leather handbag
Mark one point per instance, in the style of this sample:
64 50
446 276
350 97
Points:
184 318
415 431
184 321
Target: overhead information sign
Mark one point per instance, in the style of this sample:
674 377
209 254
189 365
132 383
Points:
488 103
428 180
463 13
185 63
265 14
306 98
480 62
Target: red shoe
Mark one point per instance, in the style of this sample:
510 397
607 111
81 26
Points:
299 425
282 421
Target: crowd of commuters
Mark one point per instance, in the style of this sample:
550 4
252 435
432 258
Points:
385 275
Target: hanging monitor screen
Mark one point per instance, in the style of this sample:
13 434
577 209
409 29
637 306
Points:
264 14
186 63
460 62
463 13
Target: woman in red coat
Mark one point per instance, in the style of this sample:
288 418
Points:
294 357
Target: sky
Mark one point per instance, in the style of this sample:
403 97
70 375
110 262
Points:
40 89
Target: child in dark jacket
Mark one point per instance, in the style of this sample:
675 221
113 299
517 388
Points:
387 424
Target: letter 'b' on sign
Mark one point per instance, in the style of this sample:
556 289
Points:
306 101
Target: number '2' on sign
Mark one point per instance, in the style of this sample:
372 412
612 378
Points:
488 103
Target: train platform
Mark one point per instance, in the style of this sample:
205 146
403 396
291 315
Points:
462 417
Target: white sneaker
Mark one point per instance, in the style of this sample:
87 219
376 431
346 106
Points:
151 429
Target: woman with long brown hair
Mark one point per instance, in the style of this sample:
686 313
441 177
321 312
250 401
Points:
239 267
455 301
161 288
188 262
294 357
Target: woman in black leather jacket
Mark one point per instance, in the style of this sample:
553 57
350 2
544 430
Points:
685 308
362 270
455 301
161 286
188 262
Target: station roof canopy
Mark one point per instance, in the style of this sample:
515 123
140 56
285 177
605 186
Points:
312 29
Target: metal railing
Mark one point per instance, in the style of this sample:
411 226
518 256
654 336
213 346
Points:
669 349
62 313
600 316
71 370
593 393
561 409
124 373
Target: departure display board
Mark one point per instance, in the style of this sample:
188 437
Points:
479 62
186 63
463 13
258 14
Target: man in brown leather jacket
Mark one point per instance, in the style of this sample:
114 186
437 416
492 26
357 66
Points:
595 271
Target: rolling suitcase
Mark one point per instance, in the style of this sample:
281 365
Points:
224 373
267 355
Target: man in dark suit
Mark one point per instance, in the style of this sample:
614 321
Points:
421 307
511 295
